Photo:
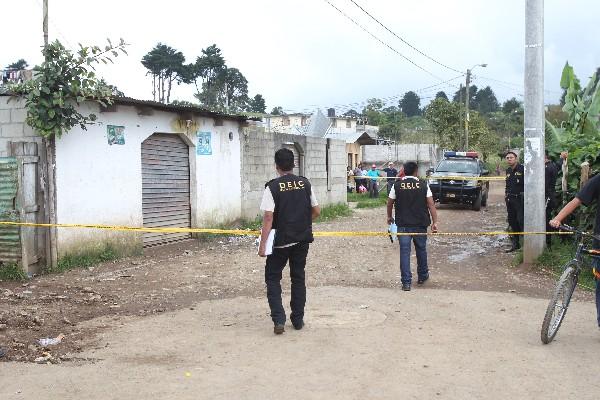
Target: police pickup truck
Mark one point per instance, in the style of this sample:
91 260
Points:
448 181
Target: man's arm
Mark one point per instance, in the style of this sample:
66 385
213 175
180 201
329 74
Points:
433 212
267 224
565 212
390 207
315 212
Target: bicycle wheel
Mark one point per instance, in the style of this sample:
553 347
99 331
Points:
557 308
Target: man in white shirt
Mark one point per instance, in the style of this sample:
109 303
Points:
415 210
289 207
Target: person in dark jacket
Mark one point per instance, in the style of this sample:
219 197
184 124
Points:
515 181
289 207
551 175
415 210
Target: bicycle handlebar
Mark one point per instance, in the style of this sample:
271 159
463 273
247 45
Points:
569 228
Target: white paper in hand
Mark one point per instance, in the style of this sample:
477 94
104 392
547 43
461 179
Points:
269 244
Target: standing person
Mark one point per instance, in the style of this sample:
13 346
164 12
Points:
357 177
364 173
391 173
373 185
415 211
589 194
515 174
551 174
350 178
289 207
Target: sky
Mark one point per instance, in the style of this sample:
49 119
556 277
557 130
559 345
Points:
304 54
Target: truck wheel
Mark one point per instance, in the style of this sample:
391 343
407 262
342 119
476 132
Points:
484 200
477 202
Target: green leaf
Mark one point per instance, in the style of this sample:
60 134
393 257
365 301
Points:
567 76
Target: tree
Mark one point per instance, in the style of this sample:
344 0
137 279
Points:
459 96
63 81
209 70
257 104
166 65
410 104
18 65
486 101
351 114
444 118
234 90
511 105
373 111
579 133
441 95
277 110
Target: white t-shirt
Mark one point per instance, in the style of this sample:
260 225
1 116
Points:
268 204
392 194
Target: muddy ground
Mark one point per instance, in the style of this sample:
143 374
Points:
92 307
178 276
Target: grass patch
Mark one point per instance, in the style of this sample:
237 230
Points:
333 211
363 200
12 272
253 224
555 258
84 260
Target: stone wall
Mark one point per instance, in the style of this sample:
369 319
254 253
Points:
258 166
426 155
12 124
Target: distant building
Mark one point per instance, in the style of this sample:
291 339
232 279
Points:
346 128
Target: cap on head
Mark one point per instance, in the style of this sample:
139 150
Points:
373 166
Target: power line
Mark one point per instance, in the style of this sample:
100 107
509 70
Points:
404 41
382 42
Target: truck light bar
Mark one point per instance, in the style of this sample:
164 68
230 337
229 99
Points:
472 154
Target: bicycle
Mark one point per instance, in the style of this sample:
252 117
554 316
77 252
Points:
557 308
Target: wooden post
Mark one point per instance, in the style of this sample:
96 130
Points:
585 174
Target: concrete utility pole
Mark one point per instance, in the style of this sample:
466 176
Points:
535 213
45 23
468 82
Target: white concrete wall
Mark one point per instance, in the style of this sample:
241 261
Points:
98 183
275 123
341 126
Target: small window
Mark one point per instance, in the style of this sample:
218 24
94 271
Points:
348 123
286 121
334 123
303 121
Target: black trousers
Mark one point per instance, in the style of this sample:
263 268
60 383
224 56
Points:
296 255
551 204
515 209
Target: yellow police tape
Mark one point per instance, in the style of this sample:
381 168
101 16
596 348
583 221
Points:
244 232
444 178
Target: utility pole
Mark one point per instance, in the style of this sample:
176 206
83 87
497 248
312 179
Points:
45 23
534 218
468 82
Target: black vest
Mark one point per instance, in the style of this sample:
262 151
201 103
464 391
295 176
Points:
411 203
292 216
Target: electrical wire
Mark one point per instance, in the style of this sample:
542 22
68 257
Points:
382 42
404 41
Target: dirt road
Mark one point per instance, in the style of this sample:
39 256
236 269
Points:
190 321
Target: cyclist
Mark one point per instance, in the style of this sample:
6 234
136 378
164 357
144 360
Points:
586 196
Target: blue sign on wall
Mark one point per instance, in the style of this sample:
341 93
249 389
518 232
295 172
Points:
204 147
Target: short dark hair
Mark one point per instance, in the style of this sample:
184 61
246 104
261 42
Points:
284 159
513 153
410 168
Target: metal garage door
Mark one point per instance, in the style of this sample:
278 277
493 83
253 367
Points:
165 187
